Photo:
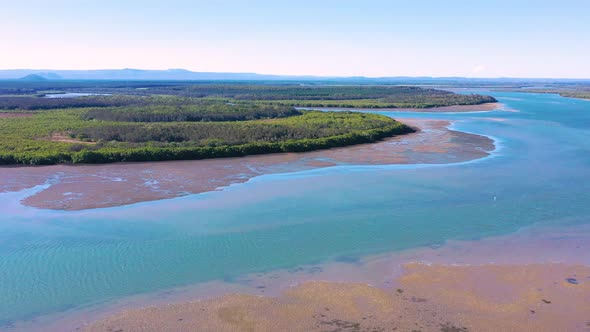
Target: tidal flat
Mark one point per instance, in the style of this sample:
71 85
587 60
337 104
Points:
427 298
95 186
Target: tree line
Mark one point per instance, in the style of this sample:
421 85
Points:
207 110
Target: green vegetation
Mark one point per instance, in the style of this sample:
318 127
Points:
408 102
579 90
582 94
362 96
190 110
68 136
339 96
152 121
38 103
576 94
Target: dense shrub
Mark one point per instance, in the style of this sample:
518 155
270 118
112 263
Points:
169 121
293 95
28 140
203 110
39 103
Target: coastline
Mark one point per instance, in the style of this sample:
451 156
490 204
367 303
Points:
497 283
79 187
427 298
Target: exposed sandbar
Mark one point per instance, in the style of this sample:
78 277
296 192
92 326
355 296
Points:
541 297
77 187
497 271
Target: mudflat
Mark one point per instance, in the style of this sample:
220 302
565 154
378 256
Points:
78 187
537 297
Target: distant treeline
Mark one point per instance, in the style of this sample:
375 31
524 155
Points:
402 102
32 88
257 92
198 110
291 95
581 93
576 94
38 103
329 96
296 92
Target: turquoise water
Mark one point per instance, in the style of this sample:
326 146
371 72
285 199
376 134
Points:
52 261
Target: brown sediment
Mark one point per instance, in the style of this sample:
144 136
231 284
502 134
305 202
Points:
15 115
77 187
64 137
533 247
540 297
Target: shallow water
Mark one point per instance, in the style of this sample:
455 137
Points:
52 261
73 95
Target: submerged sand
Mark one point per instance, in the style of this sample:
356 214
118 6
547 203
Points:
500 284
77 187
538 297
537 279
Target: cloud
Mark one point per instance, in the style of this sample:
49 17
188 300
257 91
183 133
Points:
478 70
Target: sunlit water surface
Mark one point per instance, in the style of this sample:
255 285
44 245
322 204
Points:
53 261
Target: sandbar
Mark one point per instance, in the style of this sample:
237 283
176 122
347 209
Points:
537 297
78 187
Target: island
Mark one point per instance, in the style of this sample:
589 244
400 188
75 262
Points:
155 122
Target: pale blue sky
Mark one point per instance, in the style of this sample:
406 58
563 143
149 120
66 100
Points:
473 38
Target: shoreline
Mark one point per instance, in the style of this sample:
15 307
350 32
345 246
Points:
452 300
459 277
463 284
79 187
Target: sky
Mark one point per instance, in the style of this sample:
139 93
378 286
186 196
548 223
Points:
374 38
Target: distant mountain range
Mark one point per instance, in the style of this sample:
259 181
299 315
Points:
137 74
187 75
34 78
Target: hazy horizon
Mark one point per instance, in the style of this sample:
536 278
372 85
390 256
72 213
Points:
496 39
49 70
